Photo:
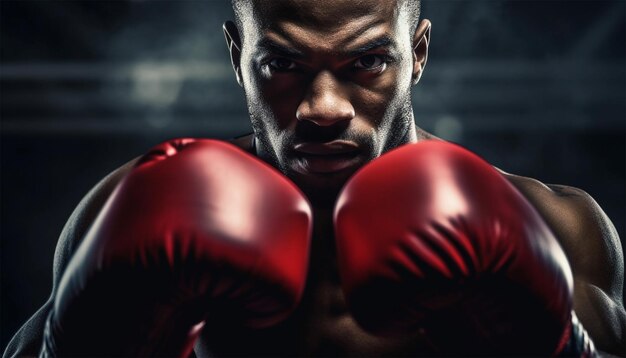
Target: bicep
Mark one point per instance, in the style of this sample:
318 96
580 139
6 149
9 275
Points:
602 316
27 341
593 247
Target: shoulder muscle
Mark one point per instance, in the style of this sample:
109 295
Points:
585 232
594 251
83 216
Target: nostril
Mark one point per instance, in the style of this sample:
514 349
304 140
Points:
326 121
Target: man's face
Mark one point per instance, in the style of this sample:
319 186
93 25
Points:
327 85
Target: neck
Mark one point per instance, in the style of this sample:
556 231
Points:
411 133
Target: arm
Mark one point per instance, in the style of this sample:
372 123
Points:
594 251
27 341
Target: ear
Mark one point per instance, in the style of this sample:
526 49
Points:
421 39
233 41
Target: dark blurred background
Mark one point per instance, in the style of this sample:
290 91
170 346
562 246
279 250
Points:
535 87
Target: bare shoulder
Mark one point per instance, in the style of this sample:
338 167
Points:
585 232
83 216
593 248
27 341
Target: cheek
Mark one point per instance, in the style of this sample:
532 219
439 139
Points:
282 94
381 97
277 97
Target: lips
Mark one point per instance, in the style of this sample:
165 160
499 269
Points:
328 148
327 157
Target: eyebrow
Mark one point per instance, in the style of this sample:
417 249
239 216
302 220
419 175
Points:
383 41
280 49
269 45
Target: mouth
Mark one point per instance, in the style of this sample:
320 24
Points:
327 157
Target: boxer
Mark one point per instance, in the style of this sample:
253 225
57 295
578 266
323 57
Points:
390 243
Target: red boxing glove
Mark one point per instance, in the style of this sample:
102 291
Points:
197 228
433 239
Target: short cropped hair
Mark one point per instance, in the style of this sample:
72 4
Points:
413 7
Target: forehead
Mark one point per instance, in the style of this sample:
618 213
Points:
328 21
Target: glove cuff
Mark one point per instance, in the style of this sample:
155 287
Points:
576 341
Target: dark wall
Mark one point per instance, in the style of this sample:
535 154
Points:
536 87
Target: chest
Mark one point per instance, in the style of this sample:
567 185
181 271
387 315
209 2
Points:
320 326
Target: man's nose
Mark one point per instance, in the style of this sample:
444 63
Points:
325 103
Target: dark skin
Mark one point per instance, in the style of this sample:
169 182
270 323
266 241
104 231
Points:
348 72
325 70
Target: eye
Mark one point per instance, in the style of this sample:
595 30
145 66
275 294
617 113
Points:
369 62
282 64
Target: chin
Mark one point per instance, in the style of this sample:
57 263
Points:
321 180
321 189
